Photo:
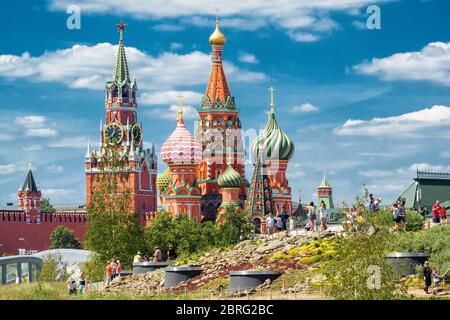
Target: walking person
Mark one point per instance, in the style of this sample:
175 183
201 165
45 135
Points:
270 224
427 276
157 256
119 268
443 215
171 255
279 222
436 280
436 212
284 218
311 216
323 214
108 273
81 284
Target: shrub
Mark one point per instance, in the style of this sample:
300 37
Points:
359 269
414 220
63 238
53 269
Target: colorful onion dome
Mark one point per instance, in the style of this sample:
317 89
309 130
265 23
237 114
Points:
217 37
229 178
273 140
163 180
181 147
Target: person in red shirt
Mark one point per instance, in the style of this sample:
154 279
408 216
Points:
436 212
443 214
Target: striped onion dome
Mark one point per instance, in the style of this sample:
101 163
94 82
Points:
229 178
181 147
163 180
273 140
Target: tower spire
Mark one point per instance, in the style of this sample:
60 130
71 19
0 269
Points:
180 108
121 72
272 103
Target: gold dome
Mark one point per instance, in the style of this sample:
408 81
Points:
217 37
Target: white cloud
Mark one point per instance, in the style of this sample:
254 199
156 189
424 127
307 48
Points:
34 147
405 124
247 57
168 27
305 15
423 166
55 169
303 36
189 113
304 108
169 97
175 46
70 142
41 132
89 67
6 137
58 192
375 173
432 63
31 121
7 169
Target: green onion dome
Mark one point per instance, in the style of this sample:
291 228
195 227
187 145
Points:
230 178
163 180
274 141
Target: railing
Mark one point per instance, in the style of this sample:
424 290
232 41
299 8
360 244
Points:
19 269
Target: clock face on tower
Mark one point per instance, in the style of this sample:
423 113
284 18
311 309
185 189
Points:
136 133
114 133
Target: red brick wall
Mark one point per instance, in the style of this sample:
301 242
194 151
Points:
36 234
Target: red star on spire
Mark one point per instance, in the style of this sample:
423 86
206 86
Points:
121 26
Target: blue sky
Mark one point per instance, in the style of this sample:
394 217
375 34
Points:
367 106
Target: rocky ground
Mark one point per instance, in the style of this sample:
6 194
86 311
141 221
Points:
216 264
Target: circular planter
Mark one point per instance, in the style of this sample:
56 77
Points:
248 280
144 267
176 275
404 263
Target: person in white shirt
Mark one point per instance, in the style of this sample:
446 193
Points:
270 223
323 214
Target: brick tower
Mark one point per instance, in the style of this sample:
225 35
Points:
219 131
29 196
122 129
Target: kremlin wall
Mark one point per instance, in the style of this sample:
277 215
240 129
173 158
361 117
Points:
205 174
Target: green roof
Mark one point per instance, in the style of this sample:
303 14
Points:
29 184
430 187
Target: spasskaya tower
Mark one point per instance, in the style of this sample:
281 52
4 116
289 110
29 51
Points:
122 129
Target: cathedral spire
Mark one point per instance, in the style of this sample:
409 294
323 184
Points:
272 103
217 93
121 73
180 109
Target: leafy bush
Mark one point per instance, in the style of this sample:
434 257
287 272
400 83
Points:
189 237
53 269
414 220
63 238
433 241
352 273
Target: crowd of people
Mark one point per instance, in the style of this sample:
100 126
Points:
431 277
74 288
112 270
157 256
313 214
277 223
439 213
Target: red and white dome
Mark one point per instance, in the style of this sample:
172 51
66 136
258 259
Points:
181 147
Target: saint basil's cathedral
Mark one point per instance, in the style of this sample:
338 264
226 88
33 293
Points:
205 173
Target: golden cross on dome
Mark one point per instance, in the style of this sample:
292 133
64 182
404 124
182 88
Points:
272 103
180 105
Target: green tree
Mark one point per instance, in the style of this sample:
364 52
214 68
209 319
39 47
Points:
46 206
236 226
114 230
63 238
359 269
